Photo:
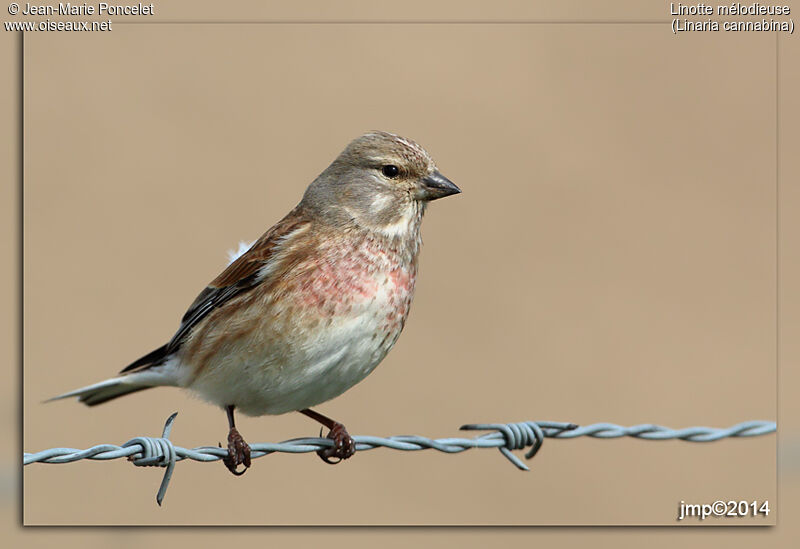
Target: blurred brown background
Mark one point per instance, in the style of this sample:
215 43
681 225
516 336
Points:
612 258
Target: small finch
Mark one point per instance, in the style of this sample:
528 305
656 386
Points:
312 307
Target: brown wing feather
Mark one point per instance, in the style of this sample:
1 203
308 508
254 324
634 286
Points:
238 277
260 252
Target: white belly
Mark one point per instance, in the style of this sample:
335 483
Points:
266 374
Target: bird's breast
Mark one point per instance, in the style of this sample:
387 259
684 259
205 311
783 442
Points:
317 332
368 278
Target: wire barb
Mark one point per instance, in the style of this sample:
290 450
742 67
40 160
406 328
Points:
518 436
506 437
156 452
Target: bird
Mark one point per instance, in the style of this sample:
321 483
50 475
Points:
312 307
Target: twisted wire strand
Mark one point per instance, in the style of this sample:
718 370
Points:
506 437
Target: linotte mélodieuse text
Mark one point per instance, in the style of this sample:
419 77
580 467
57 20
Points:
756 9
101 8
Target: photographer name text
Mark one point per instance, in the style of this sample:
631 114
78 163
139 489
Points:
101 8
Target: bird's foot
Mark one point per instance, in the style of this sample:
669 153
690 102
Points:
343 445
238 453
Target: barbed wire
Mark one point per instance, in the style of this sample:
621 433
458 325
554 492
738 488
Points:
506 437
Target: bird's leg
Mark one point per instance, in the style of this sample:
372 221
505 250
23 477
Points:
343 444
238 450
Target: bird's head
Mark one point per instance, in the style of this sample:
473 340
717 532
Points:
381 181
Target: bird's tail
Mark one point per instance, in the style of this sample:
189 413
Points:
92 395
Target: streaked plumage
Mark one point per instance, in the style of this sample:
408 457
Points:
315 303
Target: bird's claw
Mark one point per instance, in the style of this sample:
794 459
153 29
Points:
343 445
238 453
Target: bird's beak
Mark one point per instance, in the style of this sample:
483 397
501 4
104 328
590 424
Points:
436 185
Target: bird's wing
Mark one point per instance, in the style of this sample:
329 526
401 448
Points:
248 270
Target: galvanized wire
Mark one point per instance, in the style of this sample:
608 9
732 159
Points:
161 452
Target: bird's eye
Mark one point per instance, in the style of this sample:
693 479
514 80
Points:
390 170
